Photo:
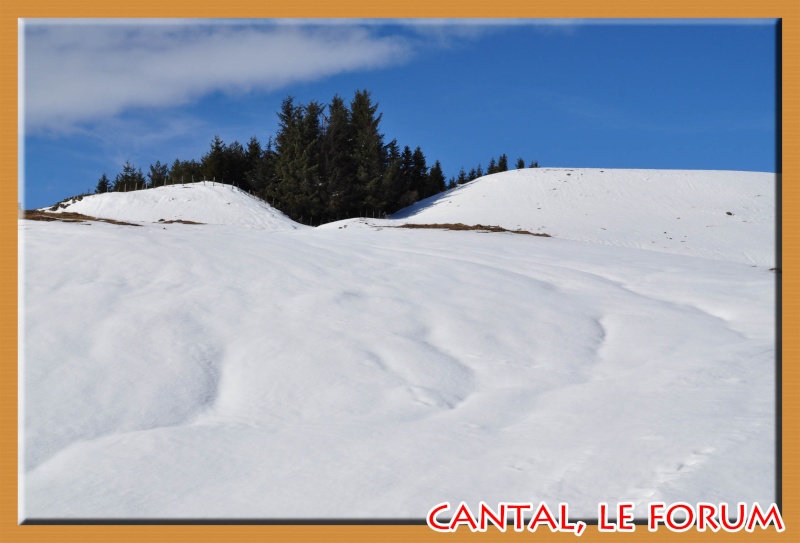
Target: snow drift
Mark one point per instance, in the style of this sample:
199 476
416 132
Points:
714 214
263 370
201 202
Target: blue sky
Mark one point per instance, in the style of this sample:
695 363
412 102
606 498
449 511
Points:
568 93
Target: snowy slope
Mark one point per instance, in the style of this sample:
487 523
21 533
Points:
373 372
197 202
682 212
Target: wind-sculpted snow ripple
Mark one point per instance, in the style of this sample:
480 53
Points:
360 373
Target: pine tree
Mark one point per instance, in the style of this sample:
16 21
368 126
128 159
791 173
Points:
369 152
254 152
103 184
235 165
337 166
478 172
126 180
436 179
263 178
492 167
462 177
393 185
520 164
139 182
418 174
534 164
502 163
158 174
297 164
213 162
409 195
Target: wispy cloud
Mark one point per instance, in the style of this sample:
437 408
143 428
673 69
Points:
80 71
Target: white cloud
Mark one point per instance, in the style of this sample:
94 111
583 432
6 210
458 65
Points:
86 71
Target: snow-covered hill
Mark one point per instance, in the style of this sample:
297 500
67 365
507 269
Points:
260 369
714 214
197 202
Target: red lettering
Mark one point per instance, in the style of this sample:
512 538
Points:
543 516
432 523
602 519
463 515
518 508
563 518
740 519
498 520
758 516
624 517
688 521
705 515
652 524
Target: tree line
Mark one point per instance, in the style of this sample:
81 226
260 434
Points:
326 162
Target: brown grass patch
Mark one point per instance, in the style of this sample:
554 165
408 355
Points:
178 221
37 215
460 226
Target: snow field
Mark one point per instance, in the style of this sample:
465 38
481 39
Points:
675 211
222 371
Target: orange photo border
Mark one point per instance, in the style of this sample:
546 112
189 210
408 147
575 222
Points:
13 10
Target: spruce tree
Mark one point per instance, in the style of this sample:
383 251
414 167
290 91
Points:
418 174
462 177
126 180
158 174
368 148
263 178
502 163
337 166
213 162
297 164
393 185
520 164
254 152
436 179
492 167
235 165
103 184
409 195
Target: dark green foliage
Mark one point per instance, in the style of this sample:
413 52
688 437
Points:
326 162
298 191
502 163
462 177
158 174
369 153
262 178
213 162
185 171
337 162
534 164
492 168
131 178
394 185
436 179
520 164
418 174
103 184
